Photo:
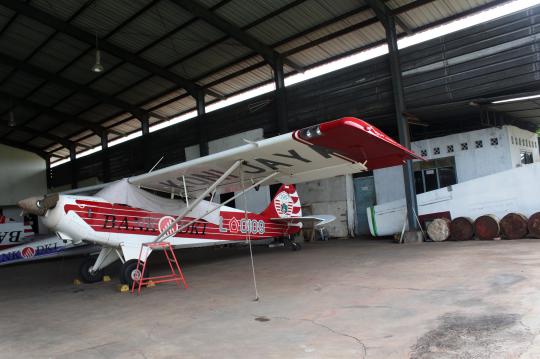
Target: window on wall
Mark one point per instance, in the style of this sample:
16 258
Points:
434 174
464 146
526 157
479 144
450 148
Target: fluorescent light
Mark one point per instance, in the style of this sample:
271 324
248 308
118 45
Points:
517 99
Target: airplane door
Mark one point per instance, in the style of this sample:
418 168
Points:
364 197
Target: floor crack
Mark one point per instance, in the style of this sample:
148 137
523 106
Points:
314 322
364 349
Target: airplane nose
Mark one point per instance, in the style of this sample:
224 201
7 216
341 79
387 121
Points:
39 205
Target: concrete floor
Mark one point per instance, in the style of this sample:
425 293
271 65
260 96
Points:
337 299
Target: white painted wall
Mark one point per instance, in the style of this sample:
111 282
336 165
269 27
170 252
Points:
22 175
473 162
328 196
470 163
513 190
257 201
521 140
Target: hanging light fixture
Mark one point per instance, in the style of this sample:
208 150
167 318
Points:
98 67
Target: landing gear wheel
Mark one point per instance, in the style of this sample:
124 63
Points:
296 246
129 272
86 275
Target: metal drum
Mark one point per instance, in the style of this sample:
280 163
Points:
461 229
487 227
533 225
514 226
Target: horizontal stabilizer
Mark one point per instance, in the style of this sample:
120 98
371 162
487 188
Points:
315 221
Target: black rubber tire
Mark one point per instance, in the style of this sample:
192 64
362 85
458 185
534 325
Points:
85 275
127 269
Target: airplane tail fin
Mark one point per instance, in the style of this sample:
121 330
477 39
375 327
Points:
285 204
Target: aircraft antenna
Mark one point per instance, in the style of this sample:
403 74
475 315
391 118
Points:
248 234
157 163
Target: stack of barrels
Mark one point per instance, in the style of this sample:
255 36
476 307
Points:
486 227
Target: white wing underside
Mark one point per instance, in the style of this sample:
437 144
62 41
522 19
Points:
330 149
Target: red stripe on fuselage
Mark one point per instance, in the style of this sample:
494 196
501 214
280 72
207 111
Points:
106 217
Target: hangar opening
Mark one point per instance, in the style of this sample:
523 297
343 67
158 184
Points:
177 149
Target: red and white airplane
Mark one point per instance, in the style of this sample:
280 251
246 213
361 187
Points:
124 215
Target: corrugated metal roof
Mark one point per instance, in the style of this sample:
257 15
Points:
119 78
161 34
20 84
42 121
76 104
146 29
23 36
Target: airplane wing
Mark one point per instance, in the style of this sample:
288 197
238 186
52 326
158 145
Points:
344 146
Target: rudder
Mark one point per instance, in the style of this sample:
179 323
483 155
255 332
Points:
286 203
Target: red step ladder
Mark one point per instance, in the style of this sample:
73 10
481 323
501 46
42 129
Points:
176 274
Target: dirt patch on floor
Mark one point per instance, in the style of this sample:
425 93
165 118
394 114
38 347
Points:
480 336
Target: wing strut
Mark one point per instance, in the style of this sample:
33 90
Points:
198 200
258 183
249 235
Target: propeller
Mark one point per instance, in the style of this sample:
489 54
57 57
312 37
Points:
39 205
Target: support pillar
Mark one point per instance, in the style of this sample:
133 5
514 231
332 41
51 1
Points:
105 163
403 125
145 124
142 153
201 124
280 95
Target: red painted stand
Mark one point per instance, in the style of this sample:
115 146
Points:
176 273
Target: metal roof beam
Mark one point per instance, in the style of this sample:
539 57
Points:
269 54
62 26
383 12
50 136
64 117
49 76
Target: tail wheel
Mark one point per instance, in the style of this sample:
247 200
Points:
129 272
86 275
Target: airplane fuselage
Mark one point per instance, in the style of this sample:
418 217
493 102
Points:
91 219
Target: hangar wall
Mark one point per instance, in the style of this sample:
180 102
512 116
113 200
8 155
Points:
476 154
488 59
23 175
328 196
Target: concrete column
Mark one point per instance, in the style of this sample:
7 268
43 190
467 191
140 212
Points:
201 124
280 96
105 163
403 125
